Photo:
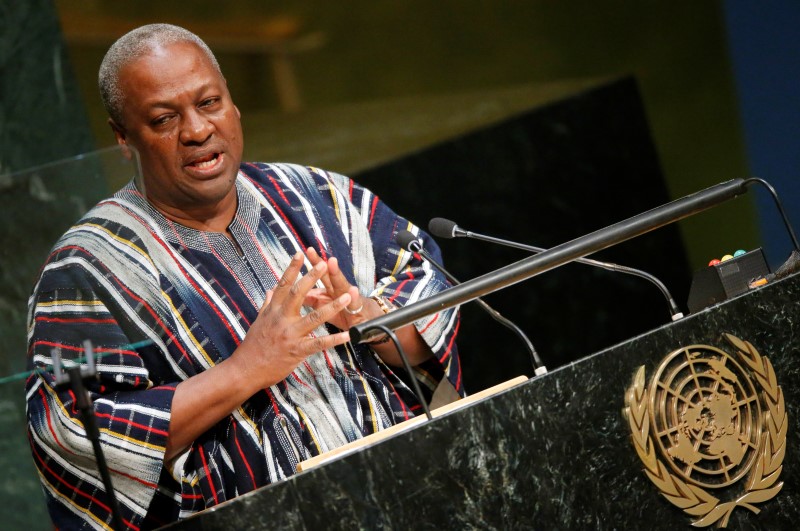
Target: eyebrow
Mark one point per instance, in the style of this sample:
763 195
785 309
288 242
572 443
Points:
167 104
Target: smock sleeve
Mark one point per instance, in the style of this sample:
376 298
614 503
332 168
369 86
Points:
78 299
402 277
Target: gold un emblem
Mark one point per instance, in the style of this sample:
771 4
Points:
703 416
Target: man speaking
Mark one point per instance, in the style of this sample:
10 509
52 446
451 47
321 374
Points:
241 281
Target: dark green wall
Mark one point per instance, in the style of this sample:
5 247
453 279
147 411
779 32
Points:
42 118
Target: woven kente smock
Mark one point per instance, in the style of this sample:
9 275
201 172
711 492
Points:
161 302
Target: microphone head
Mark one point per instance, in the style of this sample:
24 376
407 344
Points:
442 228
408 241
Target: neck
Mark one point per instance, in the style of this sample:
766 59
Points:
208 218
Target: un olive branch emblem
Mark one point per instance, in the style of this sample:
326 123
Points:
703 415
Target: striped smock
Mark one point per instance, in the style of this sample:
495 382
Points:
161 302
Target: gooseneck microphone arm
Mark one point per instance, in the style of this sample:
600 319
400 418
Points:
410 243
407 366
444 228
779 205
552 258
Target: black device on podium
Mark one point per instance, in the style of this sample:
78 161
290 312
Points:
719 282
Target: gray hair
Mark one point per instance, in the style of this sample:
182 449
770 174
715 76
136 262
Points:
132 46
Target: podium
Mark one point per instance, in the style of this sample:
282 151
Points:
555 452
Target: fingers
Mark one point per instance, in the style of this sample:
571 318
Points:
291 292
342 285
294 291
281 337
289 298
324 313
337 277
320 343
339 282
315 258
311 321
302 287
316 297
288 279
334 280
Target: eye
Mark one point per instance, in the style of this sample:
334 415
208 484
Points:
161 120
208 102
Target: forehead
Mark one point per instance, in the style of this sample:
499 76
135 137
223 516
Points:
167 72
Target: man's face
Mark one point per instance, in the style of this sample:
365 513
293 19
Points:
178 113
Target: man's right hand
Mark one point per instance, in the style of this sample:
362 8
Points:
280 338
277 342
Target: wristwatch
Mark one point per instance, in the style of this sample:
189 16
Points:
386 306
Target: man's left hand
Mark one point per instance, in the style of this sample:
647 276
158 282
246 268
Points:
336 284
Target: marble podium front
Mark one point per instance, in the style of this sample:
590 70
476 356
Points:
553 453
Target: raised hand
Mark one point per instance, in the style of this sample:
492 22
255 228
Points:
277 342
336 285
280 338
361 309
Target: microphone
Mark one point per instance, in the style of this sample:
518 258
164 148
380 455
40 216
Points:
406 240
557 256
444 228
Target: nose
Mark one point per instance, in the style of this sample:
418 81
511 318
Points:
196 128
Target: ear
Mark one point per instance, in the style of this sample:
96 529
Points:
119 132
120 136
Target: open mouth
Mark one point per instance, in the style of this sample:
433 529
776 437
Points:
205 162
